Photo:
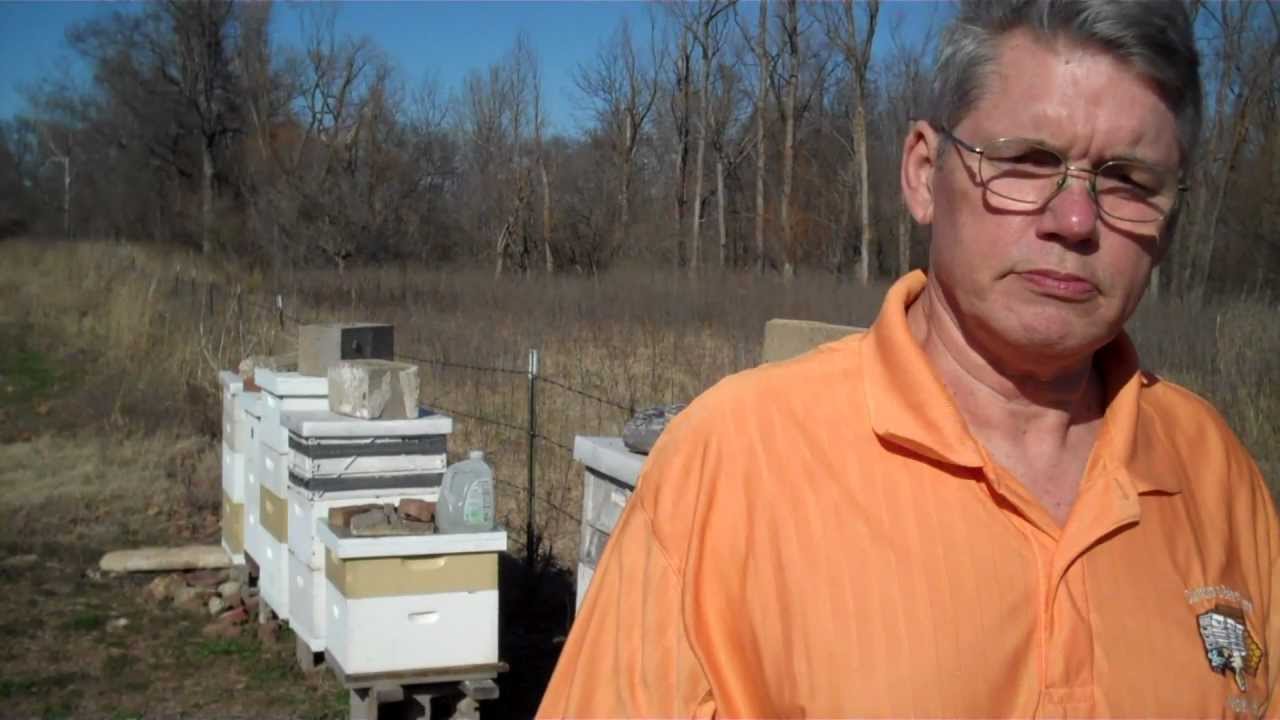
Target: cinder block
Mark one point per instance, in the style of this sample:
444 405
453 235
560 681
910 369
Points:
323 345
374 389
785 339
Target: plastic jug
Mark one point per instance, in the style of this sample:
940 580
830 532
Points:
466 496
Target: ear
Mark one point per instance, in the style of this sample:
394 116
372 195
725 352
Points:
919 161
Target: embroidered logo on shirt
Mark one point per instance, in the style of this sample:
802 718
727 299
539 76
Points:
1228 644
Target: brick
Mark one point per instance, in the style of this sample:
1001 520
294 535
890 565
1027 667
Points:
374 389
370 521
234 616
785 339
340 517
323 345
414 509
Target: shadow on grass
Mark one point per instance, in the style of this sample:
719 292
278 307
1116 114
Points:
536 611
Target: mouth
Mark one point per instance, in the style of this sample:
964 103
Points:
1059 284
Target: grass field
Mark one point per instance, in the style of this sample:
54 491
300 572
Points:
109 414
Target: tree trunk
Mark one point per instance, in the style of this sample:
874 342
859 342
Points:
866 237
720 211
624 199
762 56
789 137
206 195
695 233
546 214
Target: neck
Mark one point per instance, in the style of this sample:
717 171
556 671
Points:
1045 398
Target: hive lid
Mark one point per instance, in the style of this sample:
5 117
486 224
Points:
609 456
326 424
347 547
291 384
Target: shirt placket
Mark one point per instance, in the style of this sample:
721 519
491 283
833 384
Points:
1066 641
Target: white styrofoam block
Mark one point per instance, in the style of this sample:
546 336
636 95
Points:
233 473
603 500
275 410
273 575
365 465
325 424
273 470
584 581
291 384
609 456
308 506
349 548
307 602
411 632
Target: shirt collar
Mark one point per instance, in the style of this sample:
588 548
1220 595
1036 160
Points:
910 407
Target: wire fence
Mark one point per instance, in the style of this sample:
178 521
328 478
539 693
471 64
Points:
524 431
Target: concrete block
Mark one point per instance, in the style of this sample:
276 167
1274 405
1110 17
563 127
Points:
374 389
785 339
323 345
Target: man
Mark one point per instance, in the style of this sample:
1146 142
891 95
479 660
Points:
981 507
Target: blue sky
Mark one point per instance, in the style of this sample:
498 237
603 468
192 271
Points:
442 39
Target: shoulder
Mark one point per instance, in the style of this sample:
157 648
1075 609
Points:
731 439
1186 425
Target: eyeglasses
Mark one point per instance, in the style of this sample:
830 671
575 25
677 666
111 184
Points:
1030 174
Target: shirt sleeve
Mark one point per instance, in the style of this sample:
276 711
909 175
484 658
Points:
628 653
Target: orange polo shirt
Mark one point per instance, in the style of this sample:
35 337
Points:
824 538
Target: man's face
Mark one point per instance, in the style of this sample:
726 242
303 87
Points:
1056 281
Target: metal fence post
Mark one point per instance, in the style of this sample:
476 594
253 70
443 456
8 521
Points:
533 436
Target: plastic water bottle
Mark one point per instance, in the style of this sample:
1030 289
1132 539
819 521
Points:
466 496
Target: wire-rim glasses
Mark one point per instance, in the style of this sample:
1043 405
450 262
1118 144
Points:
1031 174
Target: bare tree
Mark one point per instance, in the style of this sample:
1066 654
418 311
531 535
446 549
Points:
621 88
852 37
789 108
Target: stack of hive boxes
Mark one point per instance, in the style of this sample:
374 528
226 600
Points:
234 440
282 394
346 430
338 461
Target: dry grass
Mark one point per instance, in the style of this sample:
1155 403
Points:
161 323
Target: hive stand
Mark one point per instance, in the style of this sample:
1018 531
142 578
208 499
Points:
403 695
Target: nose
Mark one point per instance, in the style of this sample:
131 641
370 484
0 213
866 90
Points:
1071 215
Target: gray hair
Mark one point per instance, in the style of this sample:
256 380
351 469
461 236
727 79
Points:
1155 37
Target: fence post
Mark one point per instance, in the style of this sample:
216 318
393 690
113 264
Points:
280 309
533 437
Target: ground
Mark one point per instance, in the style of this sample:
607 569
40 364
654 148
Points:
72 487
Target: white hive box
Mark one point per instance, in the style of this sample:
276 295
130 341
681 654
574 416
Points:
411 602
249 431
231 385
336 452
234 439
273 520
609 481
307 592
286 392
